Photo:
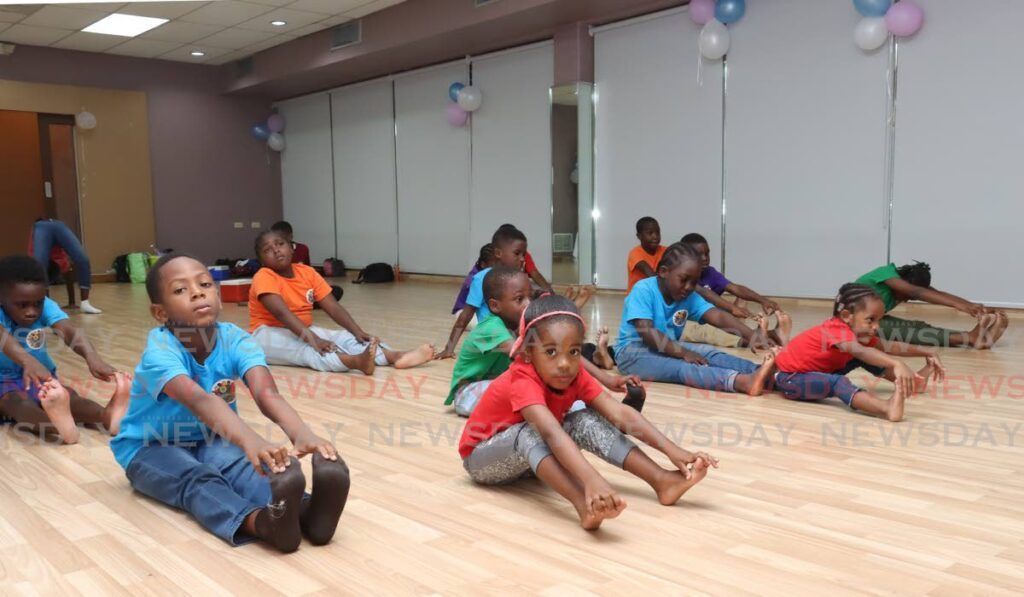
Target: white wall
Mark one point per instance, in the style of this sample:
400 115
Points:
511 179
306 180
364 173
959 142
658 138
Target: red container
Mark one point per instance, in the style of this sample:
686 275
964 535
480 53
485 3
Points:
235 291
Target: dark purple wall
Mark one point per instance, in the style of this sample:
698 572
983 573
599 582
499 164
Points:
207 171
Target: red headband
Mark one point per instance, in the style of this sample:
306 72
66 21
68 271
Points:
523 327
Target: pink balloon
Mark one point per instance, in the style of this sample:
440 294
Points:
702 11
456 115
275 123
904 18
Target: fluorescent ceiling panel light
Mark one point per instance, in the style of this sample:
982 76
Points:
124 25
197 53
278 23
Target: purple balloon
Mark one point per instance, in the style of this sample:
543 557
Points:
904 18
275 123
456 115
702 11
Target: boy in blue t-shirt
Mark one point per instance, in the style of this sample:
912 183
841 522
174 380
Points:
183 443
30 393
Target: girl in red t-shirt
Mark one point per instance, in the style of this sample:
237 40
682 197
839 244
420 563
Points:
813 366
526 421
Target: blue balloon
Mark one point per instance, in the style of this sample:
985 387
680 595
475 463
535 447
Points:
730 11
872 8
454 89
260 131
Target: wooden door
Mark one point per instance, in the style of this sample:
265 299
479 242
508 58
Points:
21 179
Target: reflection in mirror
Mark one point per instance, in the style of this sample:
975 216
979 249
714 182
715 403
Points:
571 184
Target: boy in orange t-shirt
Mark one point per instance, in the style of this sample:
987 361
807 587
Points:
643 259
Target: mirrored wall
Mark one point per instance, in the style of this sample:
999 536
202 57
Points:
572 184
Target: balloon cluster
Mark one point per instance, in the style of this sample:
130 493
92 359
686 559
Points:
882 17
714 15
465 99
85 120
271 132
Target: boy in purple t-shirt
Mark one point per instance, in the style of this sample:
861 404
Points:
484 261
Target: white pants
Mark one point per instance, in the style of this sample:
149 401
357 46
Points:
285 348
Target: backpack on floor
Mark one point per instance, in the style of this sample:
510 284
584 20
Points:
121 268
334 268
375 273
137 267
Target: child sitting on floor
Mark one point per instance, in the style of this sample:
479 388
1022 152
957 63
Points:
653 317
30 393
300 252
523 423
484 261
183 443
814 365
485 354
643 259
895 285
577 294
281 303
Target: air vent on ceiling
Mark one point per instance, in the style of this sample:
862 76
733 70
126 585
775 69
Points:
479 3
244 67
346 34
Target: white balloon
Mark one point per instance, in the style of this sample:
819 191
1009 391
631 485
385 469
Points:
470 98
871 33
85 120
714 40
276 141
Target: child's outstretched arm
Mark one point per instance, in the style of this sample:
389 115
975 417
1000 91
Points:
32 371
277 307
936 297
76 340
724 320
273 406
716 299
541 281
615 383
654 339
747 294
631 422
219 417
341 316
461 322
903 376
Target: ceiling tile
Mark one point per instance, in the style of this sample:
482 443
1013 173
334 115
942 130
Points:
163 10
327 7
226 58
184 54
64 18
107 7
235 38
372 7
273 41
13 14
308 29
34 36
181 32
89 42
295 19
226 12
276 2
4 26
144 48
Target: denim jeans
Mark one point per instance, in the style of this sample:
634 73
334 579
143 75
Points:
49 233
213 481
719 374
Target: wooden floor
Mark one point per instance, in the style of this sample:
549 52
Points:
810 498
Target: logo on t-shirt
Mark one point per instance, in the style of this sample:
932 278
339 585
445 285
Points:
309 296
225 390
36 339
679 318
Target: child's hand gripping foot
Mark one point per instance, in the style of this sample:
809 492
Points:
600 502
998 322
933 368
781 334
602 358
278 523
693 467
980 337
366 360
57 404
320 514
118 404
415 357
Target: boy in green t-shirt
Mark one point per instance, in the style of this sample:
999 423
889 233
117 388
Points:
485 354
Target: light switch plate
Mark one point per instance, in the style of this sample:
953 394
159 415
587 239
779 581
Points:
255 225
239 225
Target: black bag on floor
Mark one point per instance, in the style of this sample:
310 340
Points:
375 273
121 268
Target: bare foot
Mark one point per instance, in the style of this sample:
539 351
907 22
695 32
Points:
980 337
601 356
784 327
996 331
118 404
57 405
415 357
894 407
592 521
676 484
584 295
763 374
365 361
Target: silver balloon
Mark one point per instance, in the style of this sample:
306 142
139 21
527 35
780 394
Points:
276 141
86 120
871 33
714 40
470 98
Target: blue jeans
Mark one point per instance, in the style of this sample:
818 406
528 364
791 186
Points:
719 374
815 385
49 233
213 481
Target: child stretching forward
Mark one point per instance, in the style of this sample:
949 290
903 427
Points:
523 424
183 443
30 393
281 303
814 365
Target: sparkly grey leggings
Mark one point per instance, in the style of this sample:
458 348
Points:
513 453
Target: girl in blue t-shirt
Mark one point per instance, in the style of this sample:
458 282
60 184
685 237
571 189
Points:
30 394
653 318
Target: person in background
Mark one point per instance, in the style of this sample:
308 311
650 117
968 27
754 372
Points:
50 234
300 252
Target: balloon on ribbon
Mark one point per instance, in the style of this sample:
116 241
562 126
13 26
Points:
454 89
904 18
730 11
260 132
701 11
470 98
276 141
871 33
85 120
456 115
872 8
714 40
275 123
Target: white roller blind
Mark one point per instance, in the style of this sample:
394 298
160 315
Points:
804 150
657 139
306 180
364 173
511 178
433 174
959 140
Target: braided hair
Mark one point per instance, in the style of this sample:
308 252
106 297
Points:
851 296
486 256
676 254
918 273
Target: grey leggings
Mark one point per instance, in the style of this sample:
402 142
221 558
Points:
511 454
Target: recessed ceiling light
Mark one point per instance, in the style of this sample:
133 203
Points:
124 25
278 23
198 53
